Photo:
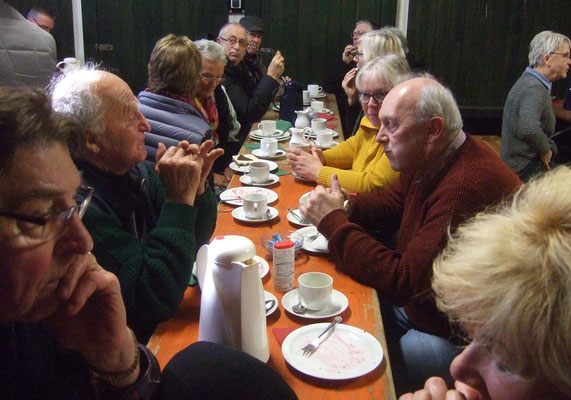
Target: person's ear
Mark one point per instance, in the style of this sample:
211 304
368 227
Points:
546 59
435 129
92 142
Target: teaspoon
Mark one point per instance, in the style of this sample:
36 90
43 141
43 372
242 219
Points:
299 308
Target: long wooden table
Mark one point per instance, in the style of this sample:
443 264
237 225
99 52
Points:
363 311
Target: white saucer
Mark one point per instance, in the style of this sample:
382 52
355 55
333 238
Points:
235 195
247 180
296 221
339 303
240 215
319 95
325 111
270 296
312 134
333 144
258 153
244 168
278 135
318 245
263 266
346 353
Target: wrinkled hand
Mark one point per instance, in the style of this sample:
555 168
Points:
92 319
322 201
277 66
305 164
180 169
208 155
436 389
546 159
348 53
350 87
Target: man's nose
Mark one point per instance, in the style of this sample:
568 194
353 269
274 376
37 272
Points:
144 125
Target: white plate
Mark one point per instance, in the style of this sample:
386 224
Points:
319 95
339 303
348 352
318 245
263 266
234 196
333 144
244 168
247 180
240 215
279 135
312 134
325 111
270 296
301 178
296 221
258 153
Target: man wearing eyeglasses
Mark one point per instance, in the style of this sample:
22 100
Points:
42 17
255 29
146 225
27 53
528 119
250 96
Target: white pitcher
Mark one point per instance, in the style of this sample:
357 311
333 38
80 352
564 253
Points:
302 119
232 307
299 136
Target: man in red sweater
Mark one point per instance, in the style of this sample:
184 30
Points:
446 177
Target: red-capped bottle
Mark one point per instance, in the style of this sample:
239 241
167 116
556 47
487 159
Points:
284 257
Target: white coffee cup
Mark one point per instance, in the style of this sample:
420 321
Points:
268 127
324 138
68 64
317 106
314 89
306 99
314 290
259 171
268 146
255 205
302 201
318 124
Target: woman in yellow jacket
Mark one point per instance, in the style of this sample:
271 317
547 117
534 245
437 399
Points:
359 162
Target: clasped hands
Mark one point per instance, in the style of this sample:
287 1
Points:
184 169
306 164
321 201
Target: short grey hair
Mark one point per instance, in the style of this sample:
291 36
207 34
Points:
438 101
545 42
385 68
211 50
72 93
380 42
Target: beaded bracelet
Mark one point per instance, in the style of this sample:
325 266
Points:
117 376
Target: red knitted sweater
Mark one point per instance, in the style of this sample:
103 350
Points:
474 178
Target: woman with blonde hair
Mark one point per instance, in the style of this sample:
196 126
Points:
170 103
505 280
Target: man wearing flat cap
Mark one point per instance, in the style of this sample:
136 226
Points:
255 28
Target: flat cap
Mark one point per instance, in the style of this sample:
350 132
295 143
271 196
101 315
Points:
252 23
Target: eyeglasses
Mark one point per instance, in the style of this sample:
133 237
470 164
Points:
565 56
356 54
378 96
45 28
38 229
357 33
232 41
211 79
255 34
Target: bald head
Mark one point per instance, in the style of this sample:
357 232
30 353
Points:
233 37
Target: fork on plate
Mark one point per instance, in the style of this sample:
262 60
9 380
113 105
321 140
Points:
312 347
311 238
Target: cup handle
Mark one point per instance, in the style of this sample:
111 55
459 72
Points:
307 133
59 65
320 89
259 125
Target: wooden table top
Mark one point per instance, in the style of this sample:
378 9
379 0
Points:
363 311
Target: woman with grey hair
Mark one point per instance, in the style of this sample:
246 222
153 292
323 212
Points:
211 92
528 120
360 162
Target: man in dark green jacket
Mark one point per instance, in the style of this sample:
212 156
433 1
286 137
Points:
146 225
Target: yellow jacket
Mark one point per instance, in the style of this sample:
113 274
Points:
360 162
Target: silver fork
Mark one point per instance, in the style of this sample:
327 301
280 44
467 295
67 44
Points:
311 238
312 347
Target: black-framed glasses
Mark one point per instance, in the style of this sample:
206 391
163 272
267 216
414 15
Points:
565 56
211 79
356 54
378 96
39 229
232 41
45 28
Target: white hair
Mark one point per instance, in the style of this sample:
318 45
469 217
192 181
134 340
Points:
385 68
211 50
545 42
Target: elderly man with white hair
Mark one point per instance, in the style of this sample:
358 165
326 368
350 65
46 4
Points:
445 177
528 120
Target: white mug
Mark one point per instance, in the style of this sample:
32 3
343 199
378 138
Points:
255 205
68 64
324 138
314 290
318 124
314 89
302 201
317 106
259 171
269 146
306 99
268 127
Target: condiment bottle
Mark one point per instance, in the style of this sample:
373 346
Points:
284 257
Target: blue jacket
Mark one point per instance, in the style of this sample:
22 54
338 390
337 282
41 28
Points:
171 121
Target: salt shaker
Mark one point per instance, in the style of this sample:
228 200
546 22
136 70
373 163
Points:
284 257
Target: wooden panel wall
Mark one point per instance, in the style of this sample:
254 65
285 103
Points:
479 48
